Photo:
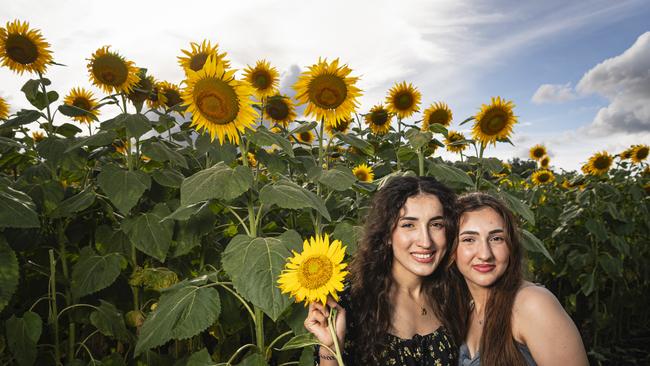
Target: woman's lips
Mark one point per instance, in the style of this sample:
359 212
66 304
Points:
483 268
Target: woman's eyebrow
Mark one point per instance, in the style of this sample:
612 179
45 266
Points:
496 231
469 232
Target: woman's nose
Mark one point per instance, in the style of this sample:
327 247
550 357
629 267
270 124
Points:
484 250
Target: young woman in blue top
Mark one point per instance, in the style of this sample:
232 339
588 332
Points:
499 318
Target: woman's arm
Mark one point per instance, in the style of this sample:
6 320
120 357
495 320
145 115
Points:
540 322
316 323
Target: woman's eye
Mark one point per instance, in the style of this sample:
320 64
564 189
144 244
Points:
437 225
467 240
407 225
498 239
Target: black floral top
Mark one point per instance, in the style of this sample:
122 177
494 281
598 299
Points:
433 349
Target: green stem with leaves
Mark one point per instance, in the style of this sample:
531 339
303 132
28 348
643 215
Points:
54 312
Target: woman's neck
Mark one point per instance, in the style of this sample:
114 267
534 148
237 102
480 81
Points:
479 297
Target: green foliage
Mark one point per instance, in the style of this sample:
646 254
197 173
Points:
8 273
23 334
94 272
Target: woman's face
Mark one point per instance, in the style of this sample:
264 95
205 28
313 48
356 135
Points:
418 239
483 254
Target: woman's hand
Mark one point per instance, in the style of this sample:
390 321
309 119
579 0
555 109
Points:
316 323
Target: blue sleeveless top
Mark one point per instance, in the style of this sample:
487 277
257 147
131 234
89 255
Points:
464 358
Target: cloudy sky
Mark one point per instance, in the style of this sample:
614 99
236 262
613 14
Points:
578 71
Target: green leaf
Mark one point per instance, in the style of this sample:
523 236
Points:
349 235
438 128
447 174
360 144
53 150
291 240
23 335
23 117
339 178
110 321
18 209
76 203
518 207
183 213
168 177
102 138
286 194
184 310
303 127
74 111
532 243
263 137
159 151
300 341
200 358
254 359
418 138
254 265
217 182
123 187
588 283
137 125
67 130
30 88
9 274
596 229
94 272
149 234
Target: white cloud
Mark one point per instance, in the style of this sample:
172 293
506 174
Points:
625 81
554 93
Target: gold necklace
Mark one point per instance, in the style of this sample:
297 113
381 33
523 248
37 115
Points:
423 310
480 321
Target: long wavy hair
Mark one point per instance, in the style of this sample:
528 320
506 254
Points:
497 345
370 270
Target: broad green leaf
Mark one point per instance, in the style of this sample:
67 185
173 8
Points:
300 341
183 213
183 311
596 229
67 130
418 138
588 283
189 232
254 359
137 125
438 128
109 321
291 240
102 138
23 335
168 177
532 243
74 111
349 235
217 182
360 144
339 178
447 174
518 207
18 209
23 117
158 151
200 358
303 127
9 274
53 150
123 187
263 137
31 88
94 272
254 265
307 357
76 203
149 234
286 194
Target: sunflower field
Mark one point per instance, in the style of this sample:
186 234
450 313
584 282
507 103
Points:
149 225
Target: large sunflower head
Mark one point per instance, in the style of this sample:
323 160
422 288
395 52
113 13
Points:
403 99
170 94
196 58
544 162
363 173
537 152
143 89
453 142
263 78
639 153
378 119
439 113
305 137
23 49
328 90
218 103
111 72
280 109
627 154
84 99
315 273
542 177
4 109
599 163
342 127
494 121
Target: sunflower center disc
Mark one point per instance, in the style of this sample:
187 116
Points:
21 49
305 136
538 153
277 109
315 272
544 178
404 101
601 163
641 153
440 117
197 61
173 98
379 118
81 103
328 91
110 70
216 100
261 80
493 124
362 175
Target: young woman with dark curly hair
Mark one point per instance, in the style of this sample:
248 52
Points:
499 318
392 311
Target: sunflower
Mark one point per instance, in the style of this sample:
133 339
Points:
111 72
4 109
170 94
315 273
83 99
599 163
537 152
543 176
23 49
305 137
263 78
218 103
199 54
156 97
121 146
639 153
342 127
627 154
143 89
453 142
378 119
280 109
439 113
38 136
330 94
566 184
403 100
252 161
544 162
363 173
494 121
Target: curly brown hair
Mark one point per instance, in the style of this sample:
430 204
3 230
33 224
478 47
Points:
370 270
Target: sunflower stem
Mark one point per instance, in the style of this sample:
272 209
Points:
54 313
331 321
320 166
420 161
259 328
397 143
479 168
50 122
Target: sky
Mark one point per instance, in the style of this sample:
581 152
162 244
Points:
577 71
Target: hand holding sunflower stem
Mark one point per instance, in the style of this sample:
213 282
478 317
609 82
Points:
327 324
